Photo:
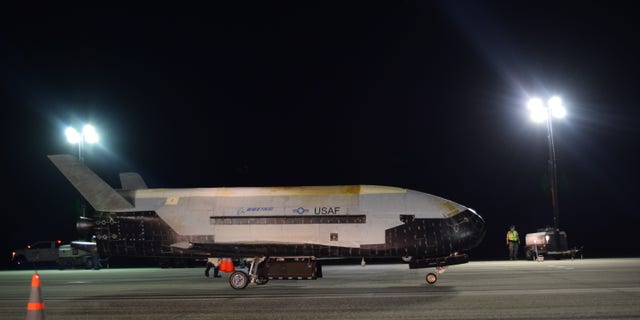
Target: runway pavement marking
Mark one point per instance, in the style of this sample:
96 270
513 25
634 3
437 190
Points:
561 267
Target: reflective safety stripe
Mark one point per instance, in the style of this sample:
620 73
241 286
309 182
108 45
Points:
35 306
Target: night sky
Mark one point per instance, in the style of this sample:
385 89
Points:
426 95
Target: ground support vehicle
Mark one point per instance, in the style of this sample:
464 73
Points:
78 254
263 269
52 253
545 243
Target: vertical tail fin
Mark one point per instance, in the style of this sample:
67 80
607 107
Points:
97 192
132 181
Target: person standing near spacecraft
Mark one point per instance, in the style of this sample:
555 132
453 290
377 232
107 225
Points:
513 241
215 264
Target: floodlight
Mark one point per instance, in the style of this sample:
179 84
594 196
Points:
537 111
556 107
73 136
89 133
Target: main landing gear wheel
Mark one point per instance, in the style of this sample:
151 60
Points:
238 280
431 278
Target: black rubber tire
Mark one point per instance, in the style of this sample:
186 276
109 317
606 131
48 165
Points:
238 280
431 278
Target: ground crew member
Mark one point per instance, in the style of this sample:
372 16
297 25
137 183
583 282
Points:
94 255
212 263
513 241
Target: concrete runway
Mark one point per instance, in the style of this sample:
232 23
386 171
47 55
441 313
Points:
562 289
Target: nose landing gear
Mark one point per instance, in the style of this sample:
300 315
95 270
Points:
433 277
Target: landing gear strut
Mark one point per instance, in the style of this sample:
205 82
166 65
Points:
253 271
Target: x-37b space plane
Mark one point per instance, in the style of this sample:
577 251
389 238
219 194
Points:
280 232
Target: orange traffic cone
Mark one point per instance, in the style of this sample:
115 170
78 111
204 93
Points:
231 267
223 265
35 307
226 265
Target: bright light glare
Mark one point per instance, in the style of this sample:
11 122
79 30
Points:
537 111
72 135
556 107
90 134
